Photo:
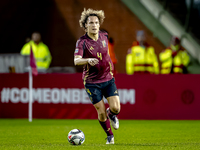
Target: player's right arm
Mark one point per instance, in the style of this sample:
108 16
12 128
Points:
78 55
78 60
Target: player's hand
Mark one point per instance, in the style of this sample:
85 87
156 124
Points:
93 61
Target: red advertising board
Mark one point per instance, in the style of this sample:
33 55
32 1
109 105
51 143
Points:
63 96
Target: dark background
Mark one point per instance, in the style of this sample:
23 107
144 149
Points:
58 23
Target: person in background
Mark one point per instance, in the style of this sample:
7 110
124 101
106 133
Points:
174 59
141 58
40 51
112 53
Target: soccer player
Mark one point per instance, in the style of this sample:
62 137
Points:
92 52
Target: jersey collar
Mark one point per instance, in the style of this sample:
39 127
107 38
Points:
90 37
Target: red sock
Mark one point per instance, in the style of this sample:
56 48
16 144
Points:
106 126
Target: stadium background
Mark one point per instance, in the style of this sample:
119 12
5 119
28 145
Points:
57 20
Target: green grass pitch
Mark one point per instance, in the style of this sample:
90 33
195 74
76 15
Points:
133 134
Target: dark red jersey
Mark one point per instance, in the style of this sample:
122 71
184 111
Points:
88 48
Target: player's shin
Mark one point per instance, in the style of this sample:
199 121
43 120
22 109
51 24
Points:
106 126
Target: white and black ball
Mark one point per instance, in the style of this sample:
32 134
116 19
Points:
76 137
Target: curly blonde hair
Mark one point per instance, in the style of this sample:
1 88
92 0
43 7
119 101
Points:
90 12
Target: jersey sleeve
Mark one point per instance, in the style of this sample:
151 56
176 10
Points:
79 48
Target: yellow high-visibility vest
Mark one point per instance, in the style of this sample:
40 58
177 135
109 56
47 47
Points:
181 60
41 54
142 59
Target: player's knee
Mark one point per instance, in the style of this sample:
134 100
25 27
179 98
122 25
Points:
115 110
102 116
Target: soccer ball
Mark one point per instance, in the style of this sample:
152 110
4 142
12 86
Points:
76 137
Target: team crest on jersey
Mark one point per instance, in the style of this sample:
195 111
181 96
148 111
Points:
104 43
76 50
